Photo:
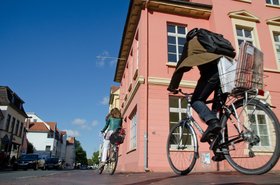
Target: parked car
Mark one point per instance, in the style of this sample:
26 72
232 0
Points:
29 161
53 163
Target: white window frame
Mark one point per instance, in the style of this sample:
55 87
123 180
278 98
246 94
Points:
177 36
133 132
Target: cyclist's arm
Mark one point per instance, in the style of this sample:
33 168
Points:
106 125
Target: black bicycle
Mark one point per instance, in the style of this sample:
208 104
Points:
249 139
116 139
112 160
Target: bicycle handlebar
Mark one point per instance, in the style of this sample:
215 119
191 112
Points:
184 93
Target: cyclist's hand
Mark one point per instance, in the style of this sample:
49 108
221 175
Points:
174 91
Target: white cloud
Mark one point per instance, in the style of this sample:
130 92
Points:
113 62
72 133
105 59
82 123
94 123
105 100
102 58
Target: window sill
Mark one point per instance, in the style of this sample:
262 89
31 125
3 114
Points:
245 1
171 64
272 70
273 6
130 151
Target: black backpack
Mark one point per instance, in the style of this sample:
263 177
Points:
212 42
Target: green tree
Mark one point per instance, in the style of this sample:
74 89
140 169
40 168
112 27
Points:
90 163
81 155
30 148
95 159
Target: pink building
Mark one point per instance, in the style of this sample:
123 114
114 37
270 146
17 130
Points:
152 42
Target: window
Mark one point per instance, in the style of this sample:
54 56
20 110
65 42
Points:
244 34
13 125
20 130
48 148
8 122
260 126
274 28
17 127
50 134
276 37
245 27
176 38
177 112
273 2
133 132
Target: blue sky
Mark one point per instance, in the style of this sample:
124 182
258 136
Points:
49 56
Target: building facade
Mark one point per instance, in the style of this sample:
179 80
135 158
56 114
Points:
71 154
12 123
152 42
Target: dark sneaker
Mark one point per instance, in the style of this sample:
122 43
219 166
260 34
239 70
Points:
101 165
212 130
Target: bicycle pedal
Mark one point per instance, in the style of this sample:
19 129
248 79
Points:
218 158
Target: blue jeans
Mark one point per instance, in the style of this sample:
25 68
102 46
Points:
208 82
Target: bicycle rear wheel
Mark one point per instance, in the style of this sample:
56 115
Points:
181 149
255 149
113 160
100 169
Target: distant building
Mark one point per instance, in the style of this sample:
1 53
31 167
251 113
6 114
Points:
71 154
12 122
46 138
114 100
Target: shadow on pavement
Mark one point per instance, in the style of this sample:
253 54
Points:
149 181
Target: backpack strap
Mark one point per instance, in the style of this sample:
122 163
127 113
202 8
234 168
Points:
191 34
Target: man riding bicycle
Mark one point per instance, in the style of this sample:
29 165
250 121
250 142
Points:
194 54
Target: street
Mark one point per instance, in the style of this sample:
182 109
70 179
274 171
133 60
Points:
84 177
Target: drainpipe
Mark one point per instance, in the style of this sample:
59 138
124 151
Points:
146 168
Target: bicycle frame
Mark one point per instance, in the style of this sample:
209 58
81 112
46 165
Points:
223 109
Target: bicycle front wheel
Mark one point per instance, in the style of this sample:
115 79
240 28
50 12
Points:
253 136
181 149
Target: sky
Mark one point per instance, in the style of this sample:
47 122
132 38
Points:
59 57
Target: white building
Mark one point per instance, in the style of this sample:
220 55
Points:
46 138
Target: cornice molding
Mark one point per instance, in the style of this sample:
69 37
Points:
140 80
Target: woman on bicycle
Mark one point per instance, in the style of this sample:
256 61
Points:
113 122
194 54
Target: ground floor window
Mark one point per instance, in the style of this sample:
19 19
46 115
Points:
177 112
133 131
